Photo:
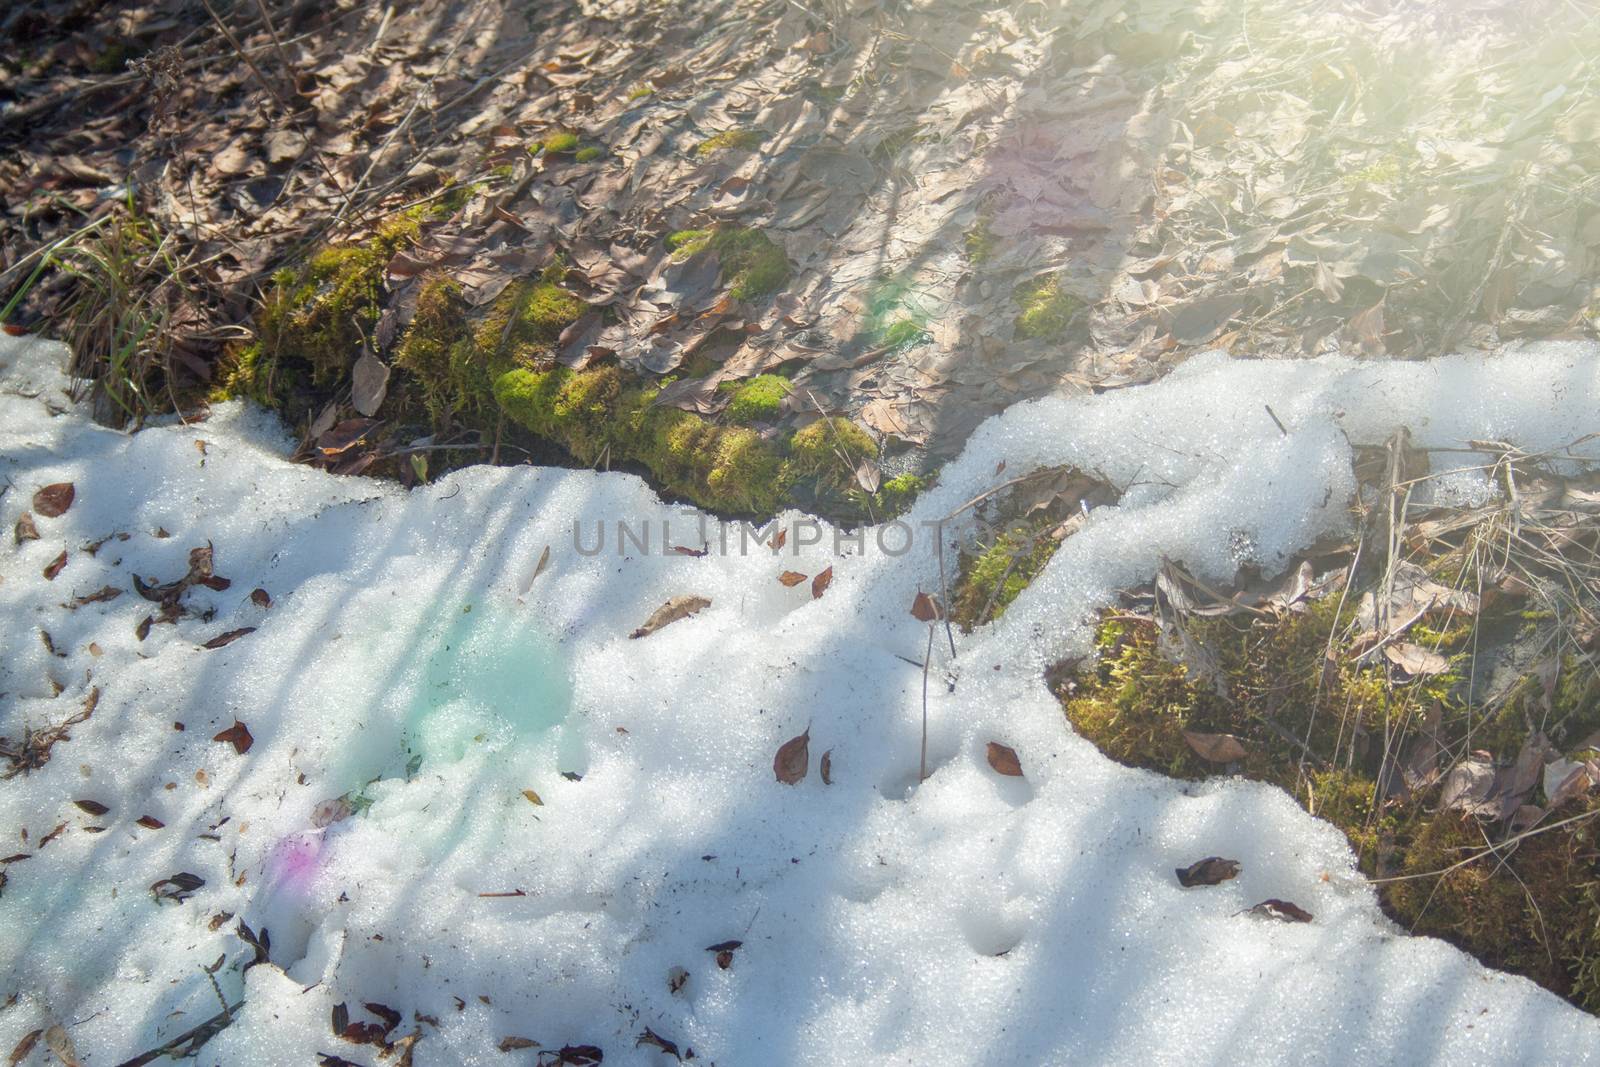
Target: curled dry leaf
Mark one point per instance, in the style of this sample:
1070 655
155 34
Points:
926 608
93 807
1215 748
1415 660
150 822
533 798
679 607
24 1047
793 759
1209 871
1281 910
820 583
512 1044
53 500
229 637
60 1045
1003 758
100 596
238 735
261 598
53 568
369 384
827 767
790 579
26 529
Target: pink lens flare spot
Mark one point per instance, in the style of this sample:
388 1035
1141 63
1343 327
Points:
297 861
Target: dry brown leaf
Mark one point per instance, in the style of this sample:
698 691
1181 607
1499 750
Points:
926 608
1215 748
1282 910
512 1044
533 798
24 1047
1003 758
93 807
229 637
238 735
369 384
53 568
827 767
793 759
790 579
1209 871
26 529
820 583
538 569
60 1044
261 598
1415 660
679 607
53 500
150 822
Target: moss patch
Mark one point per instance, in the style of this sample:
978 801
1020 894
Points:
730 141
759 399
314 321
588 153
751 264
1048 310
988 581
1316 726
560 142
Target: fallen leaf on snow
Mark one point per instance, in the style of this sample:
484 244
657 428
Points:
511 1044
53 500
790 579
54 567
237 735
1282 910
820 583
926 608
229 637
793 759
26 529
1003 758
1209 871
679 607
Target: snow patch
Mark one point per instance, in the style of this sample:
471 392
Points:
971 918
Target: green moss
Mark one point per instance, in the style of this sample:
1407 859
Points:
981 244
450 372
759 399
596 413
685 243
589 153
831 444
897 494
903 332
315 320
1534 910
560 142
502 172
751 264
638 92
990 580
1047 309
728 141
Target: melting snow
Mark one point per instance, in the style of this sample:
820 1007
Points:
973 919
